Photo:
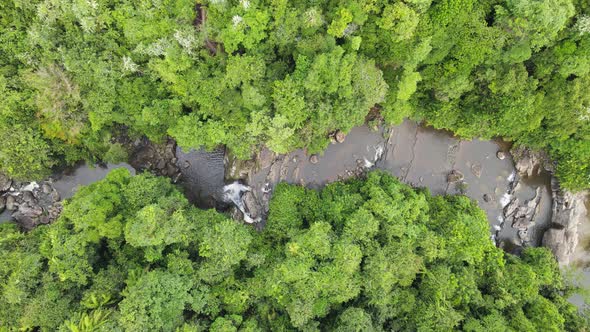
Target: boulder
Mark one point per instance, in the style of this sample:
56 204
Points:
251 205
476 169
340 136
455 176
161 164
530 163
30 210
314 159
5 182
11 204
28 196
46 188
569 211
501 155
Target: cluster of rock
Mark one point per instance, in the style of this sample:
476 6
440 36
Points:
521 215
568 209
530 163
30 204
256 202
159 159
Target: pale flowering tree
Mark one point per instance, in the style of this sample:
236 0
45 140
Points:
583 25
129 66
186 39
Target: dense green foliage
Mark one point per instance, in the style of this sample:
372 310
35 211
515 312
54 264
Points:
76 73
130 254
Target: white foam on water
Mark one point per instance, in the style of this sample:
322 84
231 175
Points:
379 152
232 193
31 186
511 177
505 199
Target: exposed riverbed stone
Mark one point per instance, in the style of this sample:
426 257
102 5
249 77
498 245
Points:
501 155
340 136
476 169
455 176
159 159
5 182
531 163
11 203
314 159
568 212
32 204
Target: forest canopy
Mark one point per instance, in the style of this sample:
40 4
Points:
77 74
129 253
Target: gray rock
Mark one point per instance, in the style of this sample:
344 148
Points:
501 155
251 205
171 169
569 211
5 182
54 196
510 209
340 136
265 158
2 203
314 159
455 176
11 204
530 163
161 164
476 169
46 188
487 198
28 196
25 222
30 210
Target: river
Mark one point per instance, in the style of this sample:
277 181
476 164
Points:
418 155
422 157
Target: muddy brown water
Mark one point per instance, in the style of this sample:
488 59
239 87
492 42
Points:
422 157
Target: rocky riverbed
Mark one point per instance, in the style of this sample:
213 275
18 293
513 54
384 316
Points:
34 203
518 205
523 202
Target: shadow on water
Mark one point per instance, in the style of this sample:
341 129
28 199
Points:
202 177
68 182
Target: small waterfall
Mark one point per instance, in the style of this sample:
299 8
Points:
232 193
